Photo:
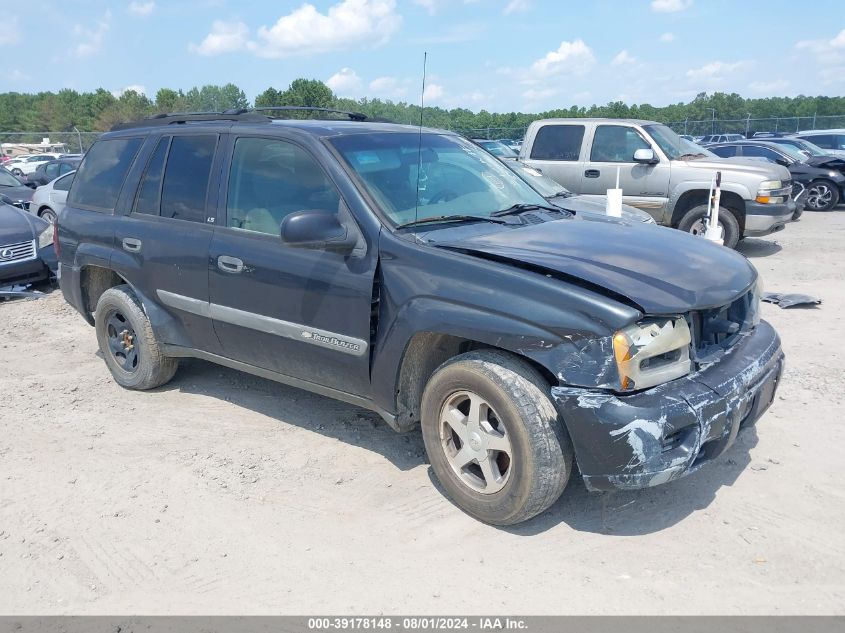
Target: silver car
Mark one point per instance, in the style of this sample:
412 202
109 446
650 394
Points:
48 200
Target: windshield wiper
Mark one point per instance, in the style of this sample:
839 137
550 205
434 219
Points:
450 218
521 207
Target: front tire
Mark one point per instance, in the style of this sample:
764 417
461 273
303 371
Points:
493 437
48 214
695 222
127 343
822 195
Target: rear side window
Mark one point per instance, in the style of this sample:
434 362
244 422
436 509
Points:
825 141
616 144
186 176
63 183
558 142
148 199
102 172
760 152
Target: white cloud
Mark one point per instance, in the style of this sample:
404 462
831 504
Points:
667 38
389 87
828 52
670 6
350 23
90 40
832 75
623 58
141 90
516 6
433 92
571 57
432 6
141 8
715 71
538 94
345 83
225 37
10 32
770 88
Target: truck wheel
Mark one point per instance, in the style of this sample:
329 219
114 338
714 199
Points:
695 222
822 195
127 342
493 437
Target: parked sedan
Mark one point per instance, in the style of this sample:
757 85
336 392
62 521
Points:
21 166
47 172
14 190
825 186
26 247
832 141
50 199
585 207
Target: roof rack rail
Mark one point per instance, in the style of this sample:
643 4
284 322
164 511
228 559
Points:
170 118
354 116
233 114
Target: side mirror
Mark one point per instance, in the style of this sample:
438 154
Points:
645 156
317 230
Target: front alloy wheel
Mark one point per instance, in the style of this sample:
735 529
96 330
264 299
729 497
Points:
821 196
476 443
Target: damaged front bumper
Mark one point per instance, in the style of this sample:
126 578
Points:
664 433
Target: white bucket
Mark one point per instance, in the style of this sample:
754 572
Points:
614 203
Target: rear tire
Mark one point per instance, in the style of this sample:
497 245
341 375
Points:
822 195
48 214
517 461
126 340
694 221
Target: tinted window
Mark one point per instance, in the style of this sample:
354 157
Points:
8 180
840 141
102 173
63 183
825 141
724 152
186 177
65 168
616 144
763 152
558 142
51 169
147 200
270 179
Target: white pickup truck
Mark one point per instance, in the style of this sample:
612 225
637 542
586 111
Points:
660 173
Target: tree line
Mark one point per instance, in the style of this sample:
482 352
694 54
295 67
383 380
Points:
99 110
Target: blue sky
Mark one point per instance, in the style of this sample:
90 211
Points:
500 55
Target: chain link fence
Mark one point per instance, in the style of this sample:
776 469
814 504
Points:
76 142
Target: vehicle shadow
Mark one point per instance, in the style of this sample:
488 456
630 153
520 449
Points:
331 418
624 513
638 512
753 247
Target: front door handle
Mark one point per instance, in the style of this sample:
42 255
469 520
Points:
131 244
230 264
592 173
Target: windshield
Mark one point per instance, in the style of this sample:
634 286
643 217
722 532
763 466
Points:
811 148
544 185
793 152
672 145
498 148
455 176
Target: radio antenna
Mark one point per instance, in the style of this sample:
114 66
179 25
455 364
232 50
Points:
419 141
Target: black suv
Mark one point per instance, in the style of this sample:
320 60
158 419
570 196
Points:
408 271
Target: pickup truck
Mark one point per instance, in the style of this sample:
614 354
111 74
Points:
660 173
410 272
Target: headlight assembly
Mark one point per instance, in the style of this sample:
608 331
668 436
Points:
46 237
652 352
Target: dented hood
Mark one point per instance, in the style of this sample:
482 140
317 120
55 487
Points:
661 270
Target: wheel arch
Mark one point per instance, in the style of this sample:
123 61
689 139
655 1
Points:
692 198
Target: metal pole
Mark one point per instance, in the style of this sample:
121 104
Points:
747 124
713 121
79 137
814 120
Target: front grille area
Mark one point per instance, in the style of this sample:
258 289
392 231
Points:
716 330
19 252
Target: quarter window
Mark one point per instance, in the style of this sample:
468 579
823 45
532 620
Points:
558 142
148 200
186 177
270 179
102 172
63 183
616 144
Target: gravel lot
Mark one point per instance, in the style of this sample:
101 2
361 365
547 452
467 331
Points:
225 493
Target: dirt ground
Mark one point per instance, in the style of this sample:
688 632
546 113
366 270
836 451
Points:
225 493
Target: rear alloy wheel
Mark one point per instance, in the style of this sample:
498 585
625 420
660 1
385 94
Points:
493 437
17 172
695 222
822 195
48 214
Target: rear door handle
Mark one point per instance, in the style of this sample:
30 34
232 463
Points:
230 264
592 173
131 244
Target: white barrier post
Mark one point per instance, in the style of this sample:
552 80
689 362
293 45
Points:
714 231
614 199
